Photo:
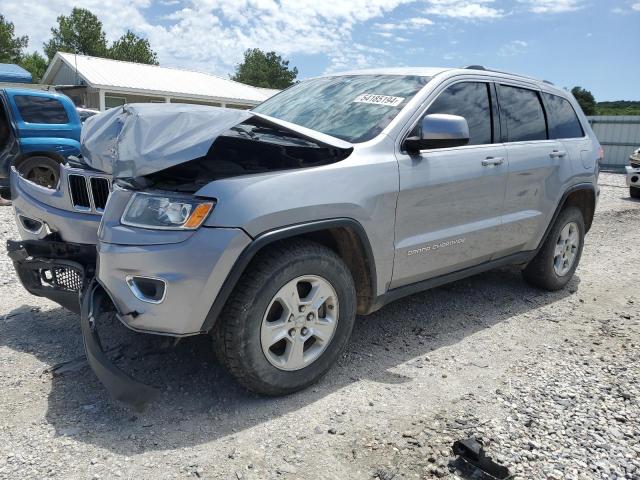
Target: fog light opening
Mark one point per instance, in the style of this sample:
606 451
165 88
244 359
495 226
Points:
147 289
634 179
31 225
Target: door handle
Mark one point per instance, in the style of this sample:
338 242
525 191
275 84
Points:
492 161
558 154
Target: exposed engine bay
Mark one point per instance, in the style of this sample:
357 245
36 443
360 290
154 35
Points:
252 147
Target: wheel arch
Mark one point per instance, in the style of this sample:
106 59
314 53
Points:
583 196
27 155
345 236
585 200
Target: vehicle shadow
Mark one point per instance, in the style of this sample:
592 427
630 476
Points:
199 402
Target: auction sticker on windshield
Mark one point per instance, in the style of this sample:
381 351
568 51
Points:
379 99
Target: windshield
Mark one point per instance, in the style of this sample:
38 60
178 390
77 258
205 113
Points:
354 108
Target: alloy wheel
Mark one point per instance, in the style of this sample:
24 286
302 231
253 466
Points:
566 249
299 323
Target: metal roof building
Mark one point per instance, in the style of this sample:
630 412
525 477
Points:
619 135
102 83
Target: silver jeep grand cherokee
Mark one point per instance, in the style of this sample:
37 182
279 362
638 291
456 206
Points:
271 229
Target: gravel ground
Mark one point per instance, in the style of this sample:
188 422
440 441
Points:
548 381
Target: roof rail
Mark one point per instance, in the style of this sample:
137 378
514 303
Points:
480 67
474 67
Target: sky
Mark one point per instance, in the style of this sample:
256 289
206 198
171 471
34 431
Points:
591 43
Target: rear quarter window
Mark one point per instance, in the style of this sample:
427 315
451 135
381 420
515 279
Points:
523 114
563 121
35 109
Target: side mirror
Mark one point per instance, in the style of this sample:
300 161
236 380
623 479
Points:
439 130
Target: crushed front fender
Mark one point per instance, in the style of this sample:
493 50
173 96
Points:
120 386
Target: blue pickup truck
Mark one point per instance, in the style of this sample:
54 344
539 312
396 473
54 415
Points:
39 130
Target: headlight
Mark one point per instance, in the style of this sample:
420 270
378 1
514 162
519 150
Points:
165 213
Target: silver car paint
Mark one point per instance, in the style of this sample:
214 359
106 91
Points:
404 204
54 209
193 270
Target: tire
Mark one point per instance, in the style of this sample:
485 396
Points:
43 171
255 306
634 192
547 269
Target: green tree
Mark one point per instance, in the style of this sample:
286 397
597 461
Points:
266 70
81 32
35 64
133 48
586 100
10 45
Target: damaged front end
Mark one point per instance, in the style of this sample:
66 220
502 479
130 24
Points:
53 269
120 386
64 272
164 155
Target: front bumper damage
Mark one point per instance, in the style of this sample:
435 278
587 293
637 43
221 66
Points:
53 269
120 386
64 272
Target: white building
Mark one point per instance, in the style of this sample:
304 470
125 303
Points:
101 83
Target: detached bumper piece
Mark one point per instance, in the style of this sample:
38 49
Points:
53 269
120 386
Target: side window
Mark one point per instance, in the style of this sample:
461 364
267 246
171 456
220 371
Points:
523 114
563 121
34 109
471 101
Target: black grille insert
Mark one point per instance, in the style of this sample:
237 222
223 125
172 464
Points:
79 192
61 278
100 192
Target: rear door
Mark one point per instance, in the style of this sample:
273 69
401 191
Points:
450 200
534 161
565 127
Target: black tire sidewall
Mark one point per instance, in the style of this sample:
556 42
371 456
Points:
571 214
251 353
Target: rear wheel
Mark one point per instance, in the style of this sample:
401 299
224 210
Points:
557 260
634 192
288 319
43 171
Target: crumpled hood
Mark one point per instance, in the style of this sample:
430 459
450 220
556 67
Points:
143 138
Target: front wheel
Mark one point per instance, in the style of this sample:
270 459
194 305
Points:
288 319
555 263
634 192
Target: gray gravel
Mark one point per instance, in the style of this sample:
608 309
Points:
549 382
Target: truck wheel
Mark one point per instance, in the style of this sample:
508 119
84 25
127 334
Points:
634 192
557 260
43 171
288 319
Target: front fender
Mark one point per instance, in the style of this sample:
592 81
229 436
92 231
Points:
363 188
61 147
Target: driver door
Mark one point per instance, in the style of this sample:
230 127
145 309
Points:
451 199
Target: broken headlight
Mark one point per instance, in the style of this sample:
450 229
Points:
165 213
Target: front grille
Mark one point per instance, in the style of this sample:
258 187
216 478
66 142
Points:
89 193
100 192
79 192
62 278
